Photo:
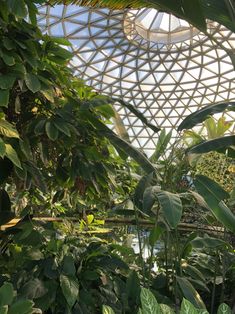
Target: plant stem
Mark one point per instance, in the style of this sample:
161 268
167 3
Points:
140 247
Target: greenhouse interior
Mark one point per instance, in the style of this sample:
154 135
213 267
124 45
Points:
117 157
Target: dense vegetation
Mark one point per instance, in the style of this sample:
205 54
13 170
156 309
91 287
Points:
58 157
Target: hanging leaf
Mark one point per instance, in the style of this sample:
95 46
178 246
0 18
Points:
62 126
198 20
133 286
17 7
7 129
162 143
171 207
70 289
144 182
154 235
12 155
213 145
202 114
190 293
4 97
32 82
213 195
149 304
51 130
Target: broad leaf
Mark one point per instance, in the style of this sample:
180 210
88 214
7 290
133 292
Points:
34 289
202 114
7 81
213 195
32 82
62 126
166 309
154 235
17 7
22 307
188 308
70 288
12 155
7 129
4 97
213 145
149 304
190 293
6 294
171 207
51 130
143 184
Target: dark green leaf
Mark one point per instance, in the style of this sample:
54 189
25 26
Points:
143 184
4 97
7 81
62 126
198 19
133 286
32 82
5 203
2 148
6 168
12 155
202 114
171 207
190 293
34 289
149 198
70 288
8 59
6 294
213 145
154 235
17 7
68 265
22 307
51 130
213 195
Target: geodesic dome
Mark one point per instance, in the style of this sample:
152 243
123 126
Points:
159 63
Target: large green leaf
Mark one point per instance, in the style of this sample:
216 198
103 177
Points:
6 294
4 97
149 198
51 130
190 293
214 196
32 82
149 304
171 207
21 306
202 114
213 145
12 155
7 81
7 129
17 7
70 288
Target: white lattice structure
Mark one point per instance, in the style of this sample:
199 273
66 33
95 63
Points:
157 62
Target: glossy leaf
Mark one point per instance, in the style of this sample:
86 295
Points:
188 308
213 145
190 293
171 207
149 304
202 114
7 129
12 155
107 310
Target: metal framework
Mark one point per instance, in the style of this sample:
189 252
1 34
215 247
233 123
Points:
157 62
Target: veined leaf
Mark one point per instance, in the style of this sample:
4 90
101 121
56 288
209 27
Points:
202 114
171 206
188 308
149 304
4 97
224 309
12 155
190 293
32 82
7 129
107 310
213 145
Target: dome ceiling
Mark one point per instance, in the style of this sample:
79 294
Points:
157 62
